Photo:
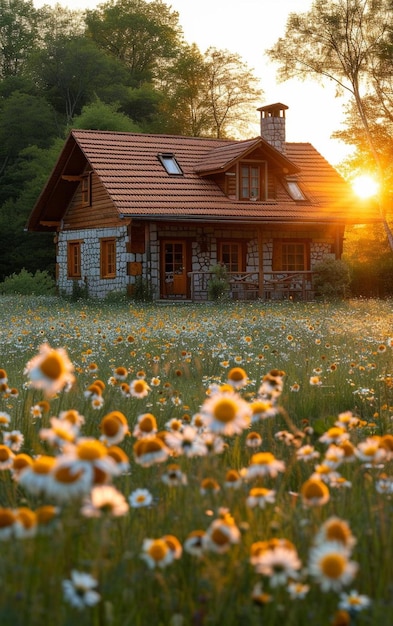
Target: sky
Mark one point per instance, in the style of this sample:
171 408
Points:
248 28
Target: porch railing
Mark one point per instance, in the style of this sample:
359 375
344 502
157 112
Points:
246 285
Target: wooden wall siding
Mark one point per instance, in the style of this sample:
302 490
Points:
101 213
271 186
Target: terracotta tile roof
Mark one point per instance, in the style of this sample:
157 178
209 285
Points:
139 185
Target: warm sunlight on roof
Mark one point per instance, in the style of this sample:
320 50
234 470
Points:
365 186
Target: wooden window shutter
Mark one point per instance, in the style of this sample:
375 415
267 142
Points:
137 236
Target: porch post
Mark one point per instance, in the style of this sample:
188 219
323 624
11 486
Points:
260 263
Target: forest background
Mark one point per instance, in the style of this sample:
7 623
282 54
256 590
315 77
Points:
126 66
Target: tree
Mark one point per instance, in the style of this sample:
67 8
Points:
231 90
58 22
71 70
142 35
341 40
27 175
184 110
18 35
100 116
210 94
24 120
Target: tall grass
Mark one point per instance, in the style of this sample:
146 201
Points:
336 358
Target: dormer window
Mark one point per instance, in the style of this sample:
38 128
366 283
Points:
294 190
172 167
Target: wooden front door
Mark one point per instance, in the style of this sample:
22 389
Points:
174 269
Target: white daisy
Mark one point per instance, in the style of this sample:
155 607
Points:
140 498
329 564
80 590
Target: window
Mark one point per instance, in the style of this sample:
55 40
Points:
290 256
231 255
108 258
249 183
252 181
74 259
171 165
294 190
86 189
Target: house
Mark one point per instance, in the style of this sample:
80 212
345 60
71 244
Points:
163 209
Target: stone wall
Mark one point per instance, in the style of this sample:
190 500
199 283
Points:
90 261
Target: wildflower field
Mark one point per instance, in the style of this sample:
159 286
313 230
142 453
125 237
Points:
187 465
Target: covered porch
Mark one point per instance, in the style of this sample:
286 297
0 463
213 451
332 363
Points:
296 285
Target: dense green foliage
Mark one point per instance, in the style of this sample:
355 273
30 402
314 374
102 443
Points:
331 279
25 283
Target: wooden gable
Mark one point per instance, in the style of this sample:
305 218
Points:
100 210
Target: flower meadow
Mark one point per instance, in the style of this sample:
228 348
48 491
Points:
187 465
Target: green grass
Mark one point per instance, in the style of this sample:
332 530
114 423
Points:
189 348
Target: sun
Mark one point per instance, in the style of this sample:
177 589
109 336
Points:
365 186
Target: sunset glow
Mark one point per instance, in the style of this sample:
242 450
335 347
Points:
365 186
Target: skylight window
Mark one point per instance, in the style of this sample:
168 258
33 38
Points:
172 167
295 191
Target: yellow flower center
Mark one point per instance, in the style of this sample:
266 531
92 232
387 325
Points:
5 453
110 426
260 406
26 517
225 410
7 518
45 514
333 565
158 550
219 537
64 434
21 461
117 454
148 446
335 432
172 542
209 483
140 386
121 371
258 492
66 476
262 458
43 464
148 423
237 374
91 450
52 365
370 450
232 476
314 489
338 531
71 416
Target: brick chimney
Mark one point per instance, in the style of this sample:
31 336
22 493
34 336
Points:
273 125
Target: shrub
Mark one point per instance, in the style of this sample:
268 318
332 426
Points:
331 279
218 286
25 283
143 290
